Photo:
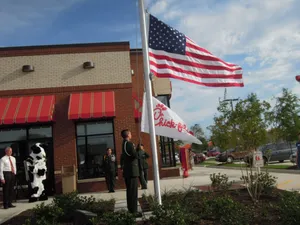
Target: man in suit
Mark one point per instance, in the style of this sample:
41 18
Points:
129 165
110 167
8 171
143 165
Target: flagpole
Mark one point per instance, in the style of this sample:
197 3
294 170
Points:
149 101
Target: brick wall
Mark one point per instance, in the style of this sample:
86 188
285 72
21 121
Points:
63 66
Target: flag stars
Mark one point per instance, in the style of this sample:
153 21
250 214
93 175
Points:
165 38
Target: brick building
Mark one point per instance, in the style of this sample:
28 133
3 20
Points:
77 98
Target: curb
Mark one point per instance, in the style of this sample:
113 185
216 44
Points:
263 169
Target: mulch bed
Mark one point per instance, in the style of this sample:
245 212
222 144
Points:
239 194
22 217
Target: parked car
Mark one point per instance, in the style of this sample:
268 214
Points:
231 155
177 158
293 157
213 152
199 158
275 152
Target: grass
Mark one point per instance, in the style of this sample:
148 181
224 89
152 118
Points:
235 165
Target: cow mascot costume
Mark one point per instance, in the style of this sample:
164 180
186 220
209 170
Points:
37 170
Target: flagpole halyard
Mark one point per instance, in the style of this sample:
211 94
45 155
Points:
148 90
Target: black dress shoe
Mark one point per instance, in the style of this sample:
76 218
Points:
111 191
11 206
5 207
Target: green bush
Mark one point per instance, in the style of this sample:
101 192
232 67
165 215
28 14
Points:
72 201
118 218
172 214
259 183
69 203
223 209
289 208
220 182
63 208
50 212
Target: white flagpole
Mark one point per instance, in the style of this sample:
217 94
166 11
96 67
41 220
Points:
149 100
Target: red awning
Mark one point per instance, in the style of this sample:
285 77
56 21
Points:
92 105
28 109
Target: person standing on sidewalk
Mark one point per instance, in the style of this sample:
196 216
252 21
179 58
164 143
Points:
143 165
129 165
7 177
110 169
191 159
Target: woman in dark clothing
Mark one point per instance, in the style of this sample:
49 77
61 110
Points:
110 167
143 165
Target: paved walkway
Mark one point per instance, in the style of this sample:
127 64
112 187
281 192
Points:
199 176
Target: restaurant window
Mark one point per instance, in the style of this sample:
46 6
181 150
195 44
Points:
93 138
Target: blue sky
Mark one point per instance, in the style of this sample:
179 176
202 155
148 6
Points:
262 36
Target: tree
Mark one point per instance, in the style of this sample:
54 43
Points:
285 116
222 130
251 119
199 134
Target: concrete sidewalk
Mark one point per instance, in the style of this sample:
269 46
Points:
198 176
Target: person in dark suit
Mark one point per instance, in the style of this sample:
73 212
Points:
143 165
110 167
129 165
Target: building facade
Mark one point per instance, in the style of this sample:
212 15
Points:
76 98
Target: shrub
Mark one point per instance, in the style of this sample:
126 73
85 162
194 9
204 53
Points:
45 215
50 212
228 211
220 181
63 208
69 203
72 201
118 218
259 183
289 208
97 206
172 214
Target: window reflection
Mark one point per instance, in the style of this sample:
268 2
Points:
91 147
8 135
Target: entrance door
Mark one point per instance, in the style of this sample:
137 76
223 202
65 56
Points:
50 185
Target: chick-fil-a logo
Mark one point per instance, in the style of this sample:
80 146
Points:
161 121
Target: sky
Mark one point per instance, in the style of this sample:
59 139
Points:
262 36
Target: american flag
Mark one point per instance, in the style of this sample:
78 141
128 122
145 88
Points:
173 55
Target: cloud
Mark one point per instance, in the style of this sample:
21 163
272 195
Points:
262 36
250 60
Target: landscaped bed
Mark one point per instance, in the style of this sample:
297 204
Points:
62 210
252 201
